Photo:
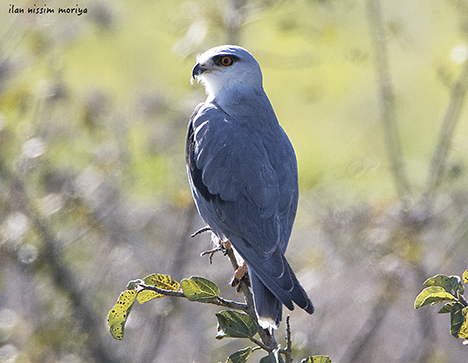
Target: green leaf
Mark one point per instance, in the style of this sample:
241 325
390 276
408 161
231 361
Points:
463 333
161 281
451 284
119 313
459 321
446 309
199 289
234 324
432 295
465 277
317 359
457 317
270 358
240 356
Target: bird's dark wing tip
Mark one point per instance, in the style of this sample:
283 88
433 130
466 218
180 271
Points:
310 308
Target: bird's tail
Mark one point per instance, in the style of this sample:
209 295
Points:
273 284
268 307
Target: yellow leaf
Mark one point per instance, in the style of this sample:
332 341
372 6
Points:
465 277
160 281
119 313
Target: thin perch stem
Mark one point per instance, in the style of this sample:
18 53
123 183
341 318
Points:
288 351
200 231
265 335
219 301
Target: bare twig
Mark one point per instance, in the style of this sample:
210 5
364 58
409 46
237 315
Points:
288 351
260 344
173 293
200 231
387 101
211 253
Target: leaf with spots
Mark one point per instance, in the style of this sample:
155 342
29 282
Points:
234 324
119 313
317 359
160 281
199 289
465 277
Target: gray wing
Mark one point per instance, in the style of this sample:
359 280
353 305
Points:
244 182
233 175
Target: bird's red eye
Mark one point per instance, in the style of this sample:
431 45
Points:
226 61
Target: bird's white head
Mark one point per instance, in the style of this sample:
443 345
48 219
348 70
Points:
227 67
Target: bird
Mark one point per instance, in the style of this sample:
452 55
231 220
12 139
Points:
242 172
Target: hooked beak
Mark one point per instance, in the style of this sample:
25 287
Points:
197 70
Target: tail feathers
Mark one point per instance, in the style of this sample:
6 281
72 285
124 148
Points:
268 307
273 283
299 296
286 287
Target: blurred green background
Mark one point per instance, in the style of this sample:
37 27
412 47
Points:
93 190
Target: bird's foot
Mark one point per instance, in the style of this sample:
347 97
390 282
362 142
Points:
239 274
224 246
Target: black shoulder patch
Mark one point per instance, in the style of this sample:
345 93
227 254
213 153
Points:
195 173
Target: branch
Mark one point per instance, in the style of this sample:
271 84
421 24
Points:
219 300
200 231
450 120
288 351
52 256
265 335
261 344
269 343
387 101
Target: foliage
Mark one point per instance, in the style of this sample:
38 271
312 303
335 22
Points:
199 289
317 359
231 323
449 290
119 314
